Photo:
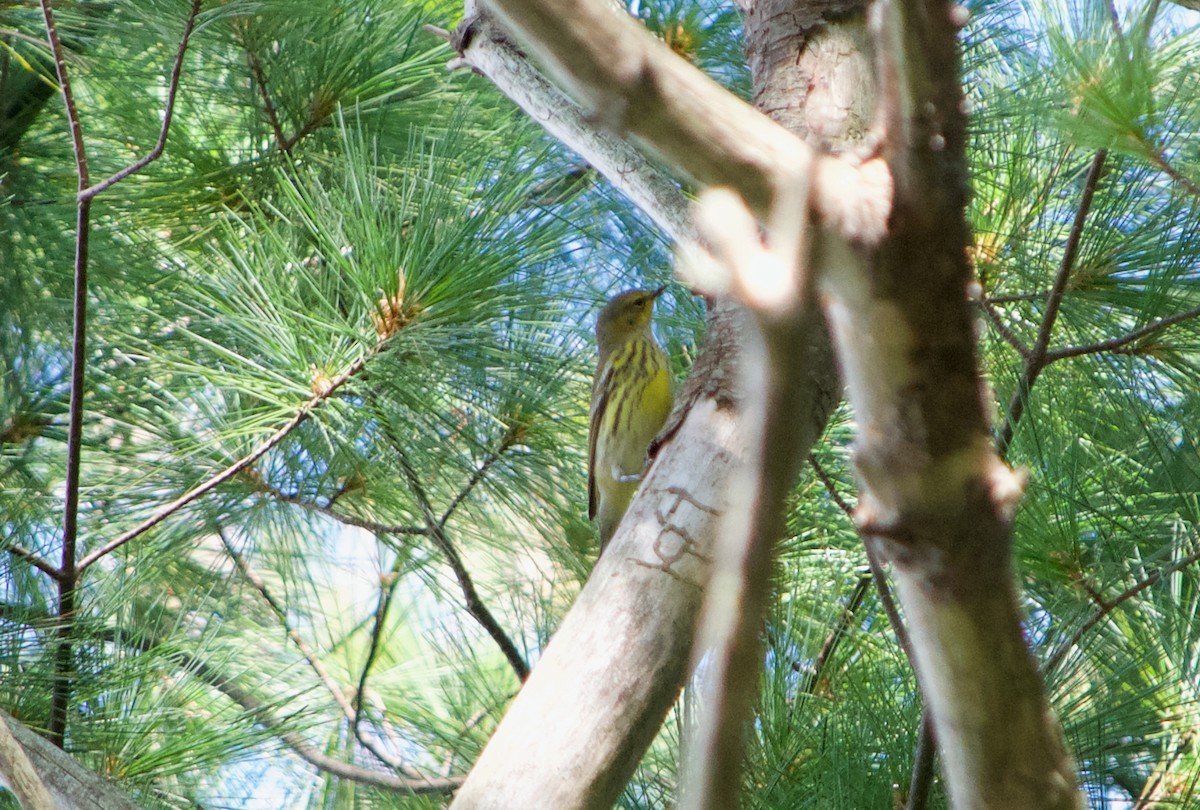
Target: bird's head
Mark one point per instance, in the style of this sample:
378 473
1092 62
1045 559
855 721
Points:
625 315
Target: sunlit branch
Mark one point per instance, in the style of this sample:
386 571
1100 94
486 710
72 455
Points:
485 47
20 774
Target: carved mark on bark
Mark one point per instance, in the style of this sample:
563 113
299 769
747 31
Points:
674 541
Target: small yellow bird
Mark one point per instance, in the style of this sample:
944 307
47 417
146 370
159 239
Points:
631 399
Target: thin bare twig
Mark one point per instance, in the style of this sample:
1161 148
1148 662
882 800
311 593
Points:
921 780
310 655
1002 328
306 410
1110 605
1035 362
831 487
373 526
835 635
69 571
1159 159
506 441
474 604
1016 298
68 576
1116 344
309 752
260 81
168 112
384 603
45 566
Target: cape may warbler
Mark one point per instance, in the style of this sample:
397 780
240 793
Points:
631 397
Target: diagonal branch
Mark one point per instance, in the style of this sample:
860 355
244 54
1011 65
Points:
632 83
373 526
310 655
305 749
1036 361
1011 339
305 411
437 533
1119 343
486 48
260 81
168 111
1110 605
45 566
506 442
19 773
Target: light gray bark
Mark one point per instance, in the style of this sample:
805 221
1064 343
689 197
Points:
890 255
70 785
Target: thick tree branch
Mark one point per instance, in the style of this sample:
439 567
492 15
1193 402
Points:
71 786
933 494
772 281
489 50
18 773
633 83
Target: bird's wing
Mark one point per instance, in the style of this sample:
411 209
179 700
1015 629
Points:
600 388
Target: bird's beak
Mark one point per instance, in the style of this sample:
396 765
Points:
658 292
